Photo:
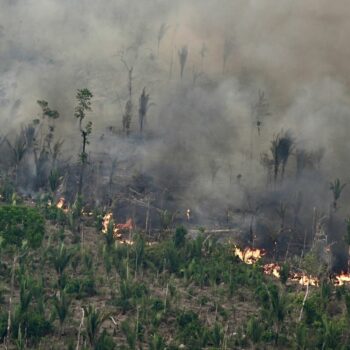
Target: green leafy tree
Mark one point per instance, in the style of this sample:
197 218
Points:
83 97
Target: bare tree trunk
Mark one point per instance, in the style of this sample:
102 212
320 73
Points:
82 170
147 215
166 296
171 64
304 300
80 327
7 340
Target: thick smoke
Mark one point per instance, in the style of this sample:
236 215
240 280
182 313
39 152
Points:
200 141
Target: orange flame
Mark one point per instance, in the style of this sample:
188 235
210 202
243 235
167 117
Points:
342 279
117 228
127 226
106 221
305 280
61 204
249 255
272 269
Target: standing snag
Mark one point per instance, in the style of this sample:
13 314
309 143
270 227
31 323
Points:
143 108
183 53
336 188
281 149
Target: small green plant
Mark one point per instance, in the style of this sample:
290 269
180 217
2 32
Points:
130 333
105 342
166 219
284 273
156 342
254 330
61 304
54 180
180 236
93 321
60 258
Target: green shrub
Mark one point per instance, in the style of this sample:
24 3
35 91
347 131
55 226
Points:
157 305
191 331
301 337
157 342
3 324
173 259
254 330
82 287
19 223
54 214
7 190
312 312
34 322
105 342
180 236
130 333
216 335
284 273
347 304
330 333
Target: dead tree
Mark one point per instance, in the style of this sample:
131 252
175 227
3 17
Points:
281 149
183 54
260 110
143 108
128 112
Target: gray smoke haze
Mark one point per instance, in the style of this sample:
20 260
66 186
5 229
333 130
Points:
294 51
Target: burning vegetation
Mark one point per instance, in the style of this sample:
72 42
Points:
129 183
252 256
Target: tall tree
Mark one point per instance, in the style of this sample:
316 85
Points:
128 111
83 97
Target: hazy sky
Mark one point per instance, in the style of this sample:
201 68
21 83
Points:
297 52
